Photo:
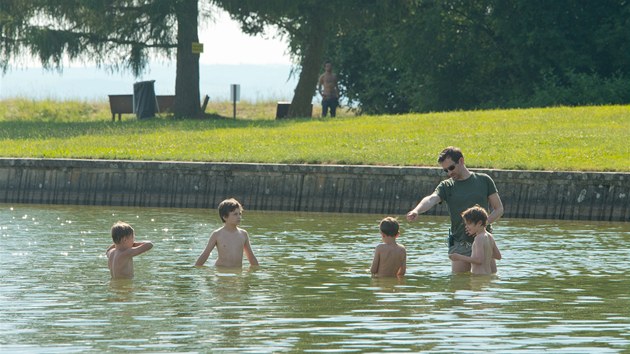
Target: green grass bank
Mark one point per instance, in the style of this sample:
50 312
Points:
555 139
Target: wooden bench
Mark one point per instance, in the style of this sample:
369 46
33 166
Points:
123 104
120 104
165 103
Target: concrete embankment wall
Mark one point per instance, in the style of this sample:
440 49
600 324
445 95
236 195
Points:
316 188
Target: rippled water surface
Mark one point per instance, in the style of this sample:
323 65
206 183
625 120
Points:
562 286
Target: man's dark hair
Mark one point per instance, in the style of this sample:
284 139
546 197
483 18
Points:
454 153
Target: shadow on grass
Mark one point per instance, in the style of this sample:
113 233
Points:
12 130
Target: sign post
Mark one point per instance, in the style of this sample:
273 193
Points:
197 48
235 95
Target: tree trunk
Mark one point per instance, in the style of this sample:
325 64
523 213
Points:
187 99
311 63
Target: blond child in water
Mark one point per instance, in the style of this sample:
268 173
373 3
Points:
484 249
120 254
230 240
390 258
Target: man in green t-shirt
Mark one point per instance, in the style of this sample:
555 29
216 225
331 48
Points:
461 191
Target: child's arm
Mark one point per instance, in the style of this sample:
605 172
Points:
476 256
375 261
140 247
496 254
203 257
403 267
249 252
462 258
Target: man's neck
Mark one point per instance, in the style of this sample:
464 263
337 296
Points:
466 175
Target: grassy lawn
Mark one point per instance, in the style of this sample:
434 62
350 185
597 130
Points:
579 138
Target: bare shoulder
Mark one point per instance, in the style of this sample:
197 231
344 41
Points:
242 232
216 233
479 240
489 236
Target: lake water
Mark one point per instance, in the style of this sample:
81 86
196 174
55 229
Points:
562 287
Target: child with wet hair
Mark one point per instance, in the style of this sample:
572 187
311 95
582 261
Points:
230 240
120 254
484 248
390 258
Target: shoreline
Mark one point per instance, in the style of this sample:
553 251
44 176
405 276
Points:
597 196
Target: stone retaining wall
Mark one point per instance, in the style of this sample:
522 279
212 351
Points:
317 188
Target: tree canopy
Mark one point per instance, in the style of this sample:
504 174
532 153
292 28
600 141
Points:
310 26
468 54
116 34
391 56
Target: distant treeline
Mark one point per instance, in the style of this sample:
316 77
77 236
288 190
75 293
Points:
476 54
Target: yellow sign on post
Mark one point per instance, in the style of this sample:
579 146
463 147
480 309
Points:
197 48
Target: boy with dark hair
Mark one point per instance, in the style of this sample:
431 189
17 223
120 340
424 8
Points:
390 258
120 254
230 240
484 249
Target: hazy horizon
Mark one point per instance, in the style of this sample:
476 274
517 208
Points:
258 82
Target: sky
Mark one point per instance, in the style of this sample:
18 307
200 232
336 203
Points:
235 47
259 64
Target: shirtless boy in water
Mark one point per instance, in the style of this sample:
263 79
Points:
230 240
390 258
484 249
120 254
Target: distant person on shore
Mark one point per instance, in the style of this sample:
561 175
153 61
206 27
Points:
230 240
329 90
461 191
120 254
390 258
484 249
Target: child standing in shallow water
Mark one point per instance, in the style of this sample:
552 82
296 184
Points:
230 240
120 254
484 249
390 258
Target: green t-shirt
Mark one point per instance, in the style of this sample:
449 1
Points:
461 195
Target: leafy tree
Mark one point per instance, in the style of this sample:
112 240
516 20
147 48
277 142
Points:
117 34
309 25
467 54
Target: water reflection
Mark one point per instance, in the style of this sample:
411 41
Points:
562 286
467 281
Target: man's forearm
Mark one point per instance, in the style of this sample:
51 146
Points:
426 203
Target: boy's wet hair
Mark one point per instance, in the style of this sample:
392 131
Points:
389 226
475 214
227 206
121 230
452 152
